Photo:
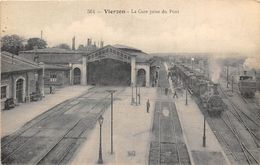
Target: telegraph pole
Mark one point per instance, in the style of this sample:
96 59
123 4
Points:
136 94
204 132
111 92
186 103
232 84
227 76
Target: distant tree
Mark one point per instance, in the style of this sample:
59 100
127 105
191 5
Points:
81 47
32 42
63 46
12 43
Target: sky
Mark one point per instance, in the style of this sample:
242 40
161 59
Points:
219 26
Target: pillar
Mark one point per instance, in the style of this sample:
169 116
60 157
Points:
27 95
133 74
84 71
147 77
13 88
41 78
71 74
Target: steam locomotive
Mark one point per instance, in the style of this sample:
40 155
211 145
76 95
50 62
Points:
215 104
198 85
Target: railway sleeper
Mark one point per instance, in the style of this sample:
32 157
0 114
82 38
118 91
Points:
58 153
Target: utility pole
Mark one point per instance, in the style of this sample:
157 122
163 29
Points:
204 132
232 84
136 94
41 34
186 103
139 95
227 76
111 92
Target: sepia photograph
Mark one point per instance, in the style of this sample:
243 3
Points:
130 82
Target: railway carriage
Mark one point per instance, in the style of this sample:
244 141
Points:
247 85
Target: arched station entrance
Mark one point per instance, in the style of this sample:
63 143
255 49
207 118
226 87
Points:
115 66
19 90
77 76
141 80
109 72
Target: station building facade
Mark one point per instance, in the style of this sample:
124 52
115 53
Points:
19 78
116 65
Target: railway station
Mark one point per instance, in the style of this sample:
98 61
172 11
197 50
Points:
117 105
130 82
110 65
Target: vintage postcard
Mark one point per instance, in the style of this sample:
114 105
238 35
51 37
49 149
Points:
120 82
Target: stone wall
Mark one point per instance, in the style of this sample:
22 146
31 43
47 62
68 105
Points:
9 80
62 77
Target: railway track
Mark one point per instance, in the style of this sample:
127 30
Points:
58 109
251 124
62 147
250 158
71 141
235 138
167 145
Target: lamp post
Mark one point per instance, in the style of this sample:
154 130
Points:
139 95
186 102
100 120
204 132
227 76
136 94
111 92
136 82
132 85
192 60
232 84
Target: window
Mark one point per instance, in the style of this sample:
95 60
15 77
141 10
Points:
3 92
53 77
66 74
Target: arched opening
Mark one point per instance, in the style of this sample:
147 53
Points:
109 72
141 80
19 90
77 76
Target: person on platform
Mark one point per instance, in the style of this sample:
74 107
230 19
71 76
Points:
50 89
166 91
147 106
175 94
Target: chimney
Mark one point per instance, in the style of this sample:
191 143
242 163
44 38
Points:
41 34
215 89
73 43
89 42
101 44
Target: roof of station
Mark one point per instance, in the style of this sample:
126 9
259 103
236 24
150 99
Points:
141 56
14 63
124 47
51 50
56 67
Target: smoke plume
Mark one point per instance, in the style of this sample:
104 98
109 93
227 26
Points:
214 69
252 63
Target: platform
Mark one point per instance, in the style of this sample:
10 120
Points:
191 120
27 111
132 127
